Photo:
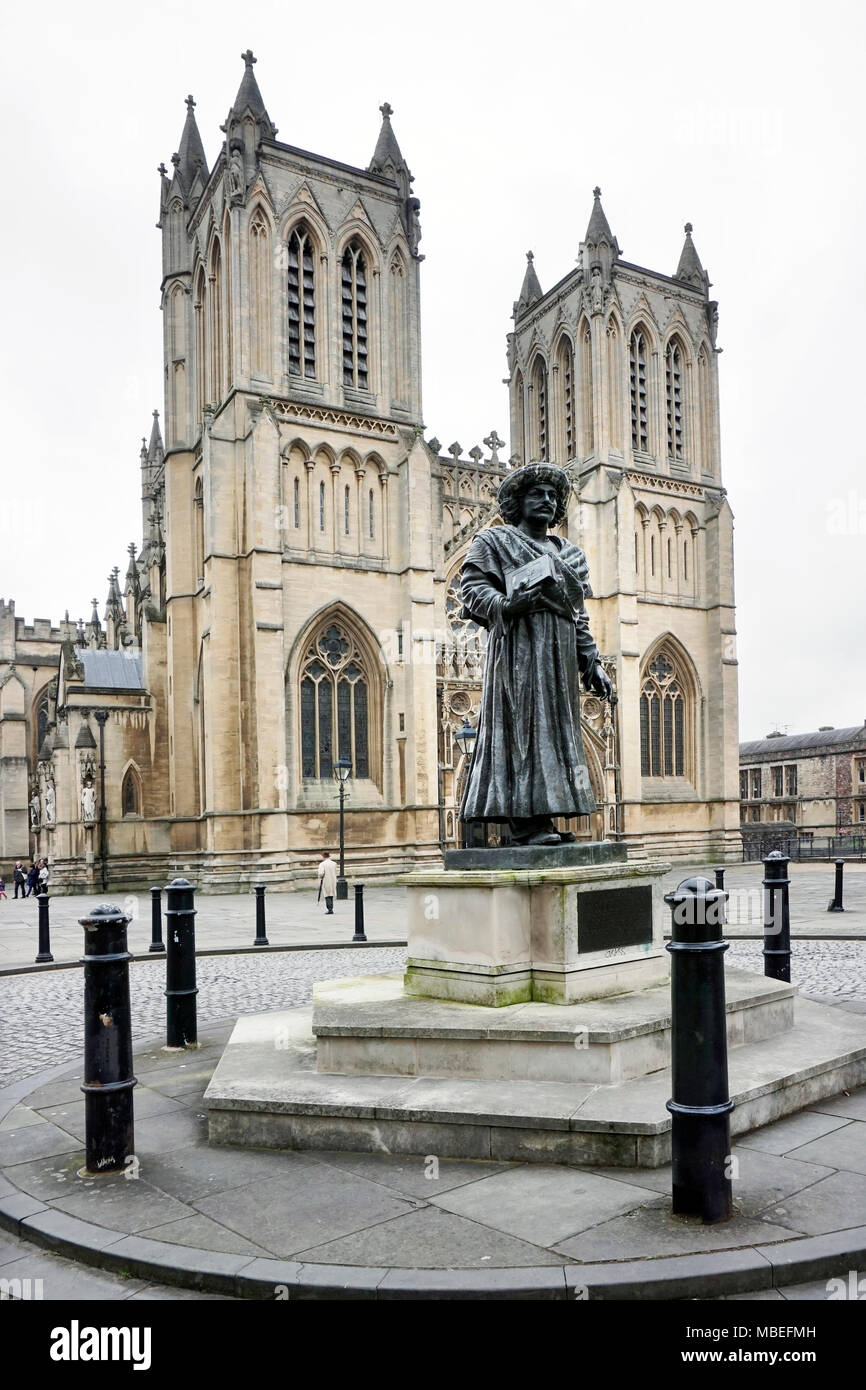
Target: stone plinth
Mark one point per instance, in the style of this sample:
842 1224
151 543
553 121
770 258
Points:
556 935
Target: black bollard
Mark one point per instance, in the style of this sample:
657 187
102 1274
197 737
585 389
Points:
44 930
720 879
836 900
359 913
156 941
108 1078
700 1106
180 993
261 938
777 919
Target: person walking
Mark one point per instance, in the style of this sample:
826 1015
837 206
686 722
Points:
32 880
327 880
2 886
19 878
44 876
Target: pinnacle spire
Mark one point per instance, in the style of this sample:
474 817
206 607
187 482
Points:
387 151
531 288
599 226
155 449
249 98
690 268
190 155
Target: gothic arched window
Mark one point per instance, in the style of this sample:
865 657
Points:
335 705
637 373
674 391
539 382
302 303
346 510
587 428
198 516
665 719
399 355
566 373
614 387
354 301
371 504
130 798
260 294
321 506
296 501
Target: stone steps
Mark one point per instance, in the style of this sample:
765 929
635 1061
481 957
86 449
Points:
267 1093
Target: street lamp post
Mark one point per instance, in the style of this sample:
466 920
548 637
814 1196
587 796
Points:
101 717
342 772
465 739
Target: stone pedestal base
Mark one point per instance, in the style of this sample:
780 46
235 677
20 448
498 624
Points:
552 935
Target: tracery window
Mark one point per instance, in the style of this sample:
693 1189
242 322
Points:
302 303
335 705
637 366
354 300
664 719
674 367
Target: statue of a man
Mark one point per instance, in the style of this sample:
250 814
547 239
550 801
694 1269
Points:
237 174
529 764
88 803
50 804
34 810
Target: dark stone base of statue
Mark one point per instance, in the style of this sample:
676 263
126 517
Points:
563 856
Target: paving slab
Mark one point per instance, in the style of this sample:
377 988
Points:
119 1203
652 1230
201 1232
423 1176
447 1240
63 1280
844 1148
543 1208
307 1207
835 1203
34 1141
792 1132
760 1181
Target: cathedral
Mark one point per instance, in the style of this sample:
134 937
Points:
294 603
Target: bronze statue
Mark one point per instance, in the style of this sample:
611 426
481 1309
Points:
527 588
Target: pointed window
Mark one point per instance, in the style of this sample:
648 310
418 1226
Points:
354 301
130 798
674 366
705 413
201 311
335 705
614 386
302 303
587 430
519 416
321 506
566 371
372 512
665 719
399 355
296 502
260 294
198 510
539 382
638 390
346 510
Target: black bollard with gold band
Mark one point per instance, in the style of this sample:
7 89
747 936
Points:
700 1107
108 1079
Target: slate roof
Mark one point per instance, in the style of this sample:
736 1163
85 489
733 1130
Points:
112 671
790 743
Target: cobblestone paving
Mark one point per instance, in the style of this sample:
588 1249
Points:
41 1015
829 969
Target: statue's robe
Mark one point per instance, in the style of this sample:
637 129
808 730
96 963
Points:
529 759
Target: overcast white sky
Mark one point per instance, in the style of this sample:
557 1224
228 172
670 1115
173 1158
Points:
746 119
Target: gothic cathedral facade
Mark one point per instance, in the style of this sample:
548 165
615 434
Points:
295 599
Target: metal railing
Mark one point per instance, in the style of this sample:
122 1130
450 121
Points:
804 847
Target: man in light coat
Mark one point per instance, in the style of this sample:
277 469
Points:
327 880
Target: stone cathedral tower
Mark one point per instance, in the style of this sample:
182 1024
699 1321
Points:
615 371
297 496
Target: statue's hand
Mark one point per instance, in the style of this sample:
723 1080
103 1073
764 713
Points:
522 602
601 684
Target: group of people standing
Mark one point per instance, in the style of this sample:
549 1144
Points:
27 882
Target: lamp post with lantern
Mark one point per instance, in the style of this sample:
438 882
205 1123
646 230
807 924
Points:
342 772
465 740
